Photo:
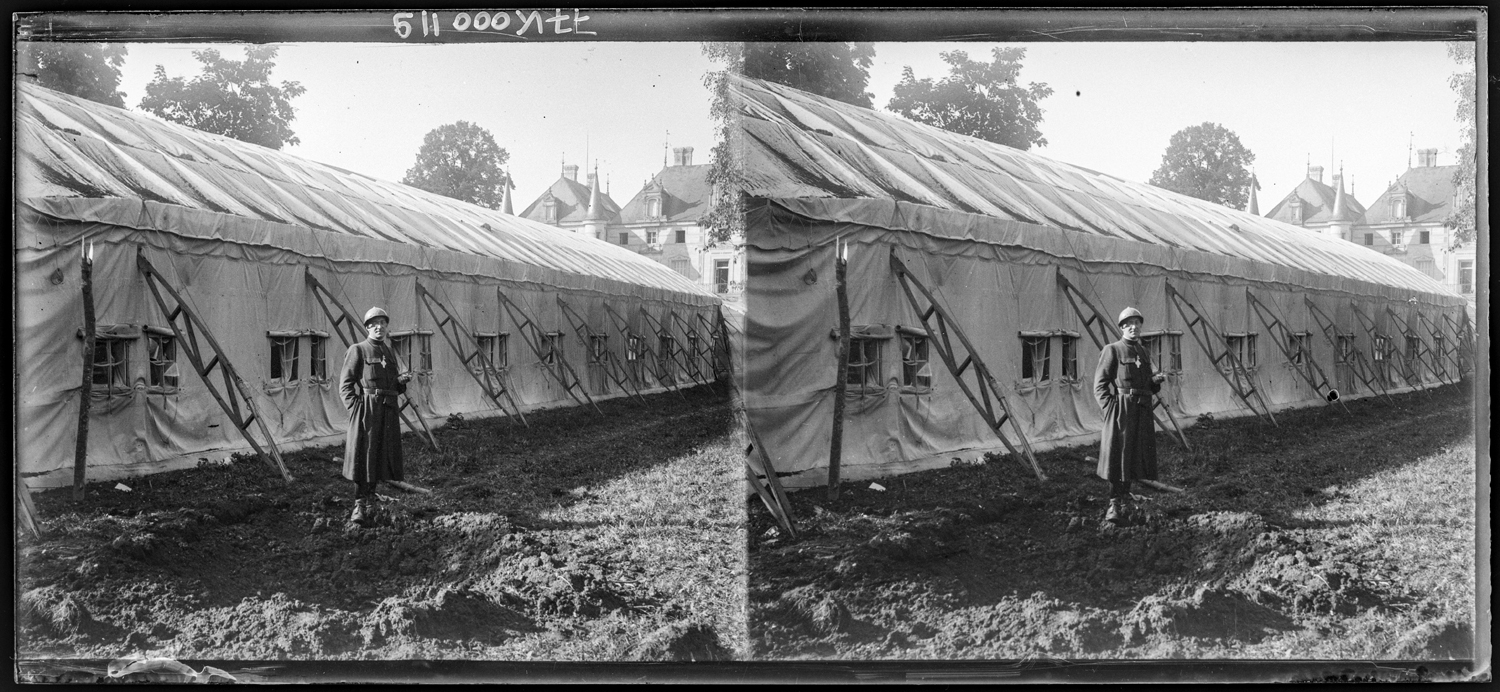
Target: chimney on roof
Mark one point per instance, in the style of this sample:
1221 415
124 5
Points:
682 156
1338 180
1426 157
570 171
1315 173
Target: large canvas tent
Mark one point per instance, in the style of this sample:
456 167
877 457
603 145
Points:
267 250
946 233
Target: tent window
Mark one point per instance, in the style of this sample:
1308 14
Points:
552 348
1346 347
402 346
915 369
864 364
1437 345
1036 352
486 351
692 340
680 236
317 364
161 350
111 364
1174 345
1413 344
1251 357
1153 346
424 352
284 358
633 349
501 354
598 346
1380 348
1243 348
1070 358
1298 345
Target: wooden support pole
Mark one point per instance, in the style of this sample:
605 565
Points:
81 452
840 382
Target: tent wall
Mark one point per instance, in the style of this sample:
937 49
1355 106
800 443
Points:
242 291
995 292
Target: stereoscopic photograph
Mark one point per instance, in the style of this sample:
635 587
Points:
914 346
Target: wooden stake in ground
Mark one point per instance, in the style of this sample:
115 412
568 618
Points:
81 452
840 382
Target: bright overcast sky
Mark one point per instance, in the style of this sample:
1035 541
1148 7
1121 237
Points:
1114 106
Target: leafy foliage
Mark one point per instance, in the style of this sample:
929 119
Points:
1463 85
462 161
725 219
978 99
234 98
1208 162
85 70
838 71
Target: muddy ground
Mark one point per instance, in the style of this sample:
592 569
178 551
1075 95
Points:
1333 536
584 537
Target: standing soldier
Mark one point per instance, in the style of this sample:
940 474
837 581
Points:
1124 383
370 385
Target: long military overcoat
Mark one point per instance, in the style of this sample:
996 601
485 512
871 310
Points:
368 384
1123 385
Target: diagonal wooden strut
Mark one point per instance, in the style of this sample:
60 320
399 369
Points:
1424 352
234 389
674 349
651 364
719 348
611 365
533 336
1384 355
940 336
1308 368
1463 336
702 348
1446 354
466 347
1207 336
349 334
757 464
1104 333
1359 365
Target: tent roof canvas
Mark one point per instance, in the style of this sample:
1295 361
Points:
826 155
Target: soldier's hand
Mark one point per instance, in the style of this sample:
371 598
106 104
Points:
404 377
1158 378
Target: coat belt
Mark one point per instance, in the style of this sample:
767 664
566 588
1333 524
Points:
1128 391
381 392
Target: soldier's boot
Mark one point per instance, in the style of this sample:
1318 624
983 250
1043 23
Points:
1116 512
362 514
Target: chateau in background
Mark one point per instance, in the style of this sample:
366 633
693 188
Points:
660 221
1404 222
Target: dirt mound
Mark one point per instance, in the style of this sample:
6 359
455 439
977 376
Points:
681 642
1020 627
810 609
1206 613
1305 577
920 535
1437 640
57 612
444 613
557 578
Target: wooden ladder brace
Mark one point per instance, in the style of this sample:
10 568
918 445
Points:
702 348
349 334
1390 348
1361 367
757 464
1446 355
1424 352
719 348
234 389
1308 368
466 346
607 359
1103 333
674 351
533 336
1463 342
938 337
1206 335
651 364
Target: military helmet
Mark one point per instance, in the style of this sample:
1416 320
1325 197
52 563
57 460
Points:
1128 313
373 313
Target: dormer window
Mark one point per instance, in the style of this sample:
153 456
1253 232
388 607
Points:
1297 210
549 210
653 207
1398 207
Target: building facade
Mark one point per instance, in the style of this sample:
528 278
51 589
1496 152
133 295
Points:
1405 222
660 222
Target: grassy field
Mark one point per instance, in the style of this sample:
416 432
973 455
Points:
583 537
1333 536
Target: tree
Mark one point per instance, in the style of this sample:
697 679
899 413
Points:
85 70
1464 179
1208 162
725 217
462 161
234 98
839 71
977 99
